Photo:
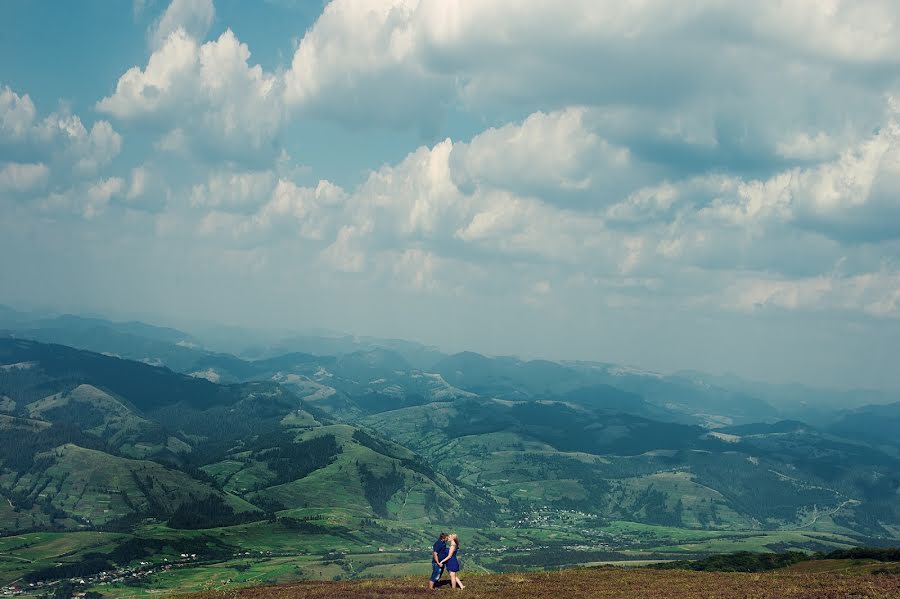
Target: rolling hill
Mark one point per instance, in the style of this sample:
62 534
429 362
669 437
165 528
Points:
100 418
304 455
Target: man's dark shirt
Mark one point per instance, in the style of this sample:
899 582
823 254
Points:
440 547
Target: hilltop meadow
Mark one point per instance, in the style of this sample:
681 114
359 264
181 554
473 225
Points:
843 579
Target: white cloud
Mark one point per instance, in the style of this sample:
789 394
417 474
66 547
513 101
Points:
401 61
876 293
138 185
790 294
60 137
88 149
168 78
97 148
852 197
234 191
359 61
310 212
686 87
495 200
346 253
99 194
527 227
175 141
17 113
193 16
18 177
208 95
558 151
147 189
85 200
255 207
803 146
417 196
853 31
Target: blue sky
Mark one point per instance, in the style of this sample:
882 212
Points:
701 185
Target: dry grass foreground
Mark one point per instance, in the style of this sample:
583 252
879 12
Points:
606 582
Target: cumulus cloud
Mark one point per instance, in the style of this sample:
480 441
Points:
97 148
17 113
166 80
403 62
361 60
686 89
175 142
661 85
558 152
310 212
87 200
60 137
193 16
347 253
850 198
875 293
417 204
234 191
690 84
251 207
458 198
146 189
715 223
207 94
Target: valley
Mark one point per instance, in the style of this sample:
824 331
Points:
131 475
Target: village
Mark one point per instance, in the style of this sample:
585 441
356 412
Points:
106 577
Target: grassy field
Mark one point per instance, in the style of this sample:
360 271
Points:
604 582
20 554
345 547
109 487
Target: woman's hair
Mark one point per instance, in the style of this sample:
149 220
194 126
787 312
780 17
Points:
455 538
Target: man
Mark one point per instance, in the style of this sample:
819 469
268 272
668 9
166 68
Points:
438 553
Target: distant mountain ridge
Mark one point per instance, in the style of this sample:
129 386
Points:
503 376
373 433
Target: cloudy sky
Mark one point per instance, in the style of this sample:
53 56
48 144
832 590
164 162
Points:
709 185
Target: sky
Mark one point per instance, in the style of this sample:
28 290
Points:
707 185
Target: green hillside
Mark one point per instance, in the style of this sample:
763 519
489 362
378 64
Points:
100 414
317 467
624 467
95 488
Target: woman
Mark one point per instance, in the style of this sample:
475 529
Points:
452 562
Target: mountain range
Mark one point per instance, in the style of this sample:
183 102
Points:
112 426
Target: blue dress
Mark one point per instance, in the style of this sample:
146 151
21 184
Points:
453 563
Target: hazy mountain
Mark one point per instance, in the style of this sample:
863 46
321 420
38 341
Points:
511 378
415 354
364 432
877 424
177 447
11 318
795 400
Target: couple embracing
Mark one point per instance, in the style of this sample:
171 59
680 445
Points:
445 554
